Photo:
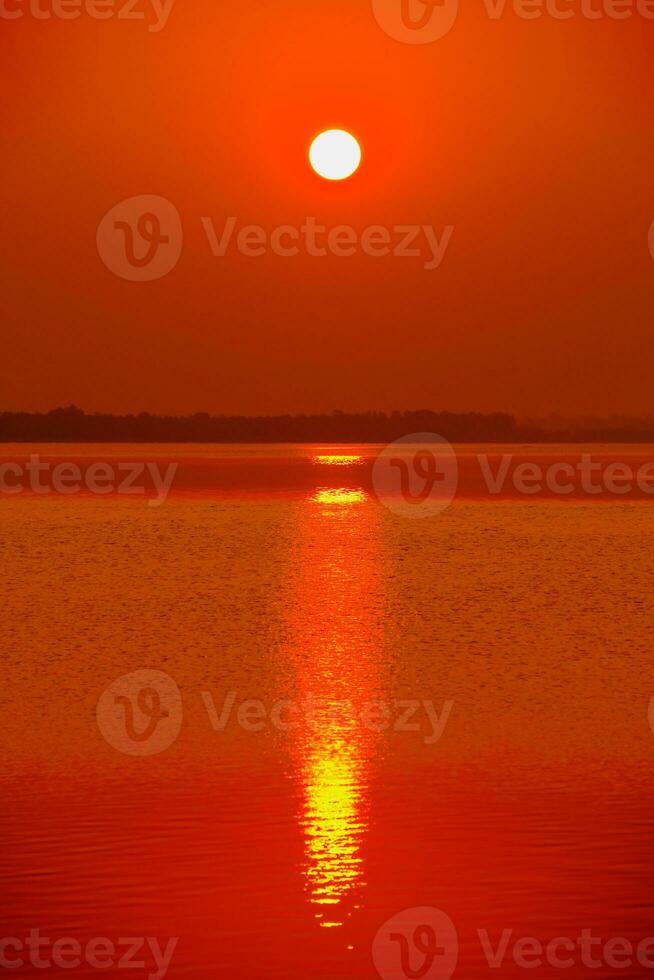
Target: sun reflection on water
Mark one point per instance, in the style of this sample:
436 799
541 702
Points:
338 495
337 459
335 636
333 823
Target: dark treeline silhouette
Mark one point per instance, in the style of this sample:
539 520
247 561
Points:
74 425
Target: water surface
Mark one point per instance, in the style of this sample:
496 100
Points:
280 852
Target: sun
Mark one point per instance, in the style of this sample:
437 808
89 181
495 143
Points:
335 154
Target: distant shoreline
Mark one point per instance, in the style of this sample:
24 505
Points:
524 443
73 425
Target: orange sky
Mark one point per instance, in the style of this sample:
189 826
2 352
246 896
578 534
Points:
532 138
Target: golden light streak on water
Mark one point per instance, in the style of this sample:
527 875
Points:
338 459
338 496
335 646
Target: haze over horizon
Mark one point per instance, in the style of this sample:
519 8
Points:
542 300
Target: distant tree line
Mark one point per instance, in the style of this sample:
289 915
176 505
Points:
71 424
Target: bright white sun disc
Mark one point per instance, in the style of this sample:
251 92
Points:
335 154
